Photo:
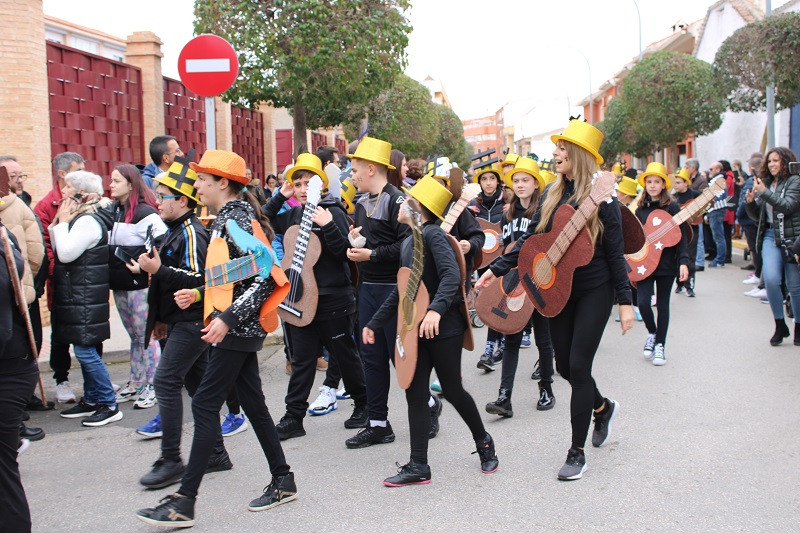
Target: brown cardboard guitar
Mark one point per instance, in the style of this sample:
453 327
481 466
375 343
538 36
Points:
492 243
503 305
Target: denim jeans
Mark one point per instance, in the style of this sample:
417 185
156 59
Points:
700 259
715 220
774 270
96 381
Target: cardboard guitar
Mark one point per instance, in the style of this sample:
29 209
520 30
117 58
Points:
492 243
302 252
663 231
469 192
503 305
547 261
411 308
632 231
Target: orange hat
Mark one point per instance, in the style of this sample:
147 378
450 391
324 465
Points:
223 164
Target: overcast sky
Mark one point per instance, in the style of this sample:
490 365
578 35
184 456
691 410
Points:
528 55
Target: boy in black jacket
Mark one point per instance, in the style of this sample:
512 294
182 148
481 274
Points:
179 264
333 323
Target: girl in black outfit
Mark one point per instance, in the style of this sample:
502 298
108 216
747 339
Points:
656 196
527 185
685 194
235 336
441 336
489 206
576 331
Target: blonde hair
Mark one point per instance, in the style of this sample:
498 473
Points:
584 165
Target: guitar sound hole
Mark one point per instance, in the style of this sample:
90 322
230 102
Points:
296 292
511 286
543 272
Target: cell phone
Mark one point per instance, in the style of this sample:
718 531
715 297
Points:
123 255
794 167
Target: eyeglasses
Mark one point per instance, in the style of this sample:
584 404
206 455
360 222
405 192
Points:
161 197
20 177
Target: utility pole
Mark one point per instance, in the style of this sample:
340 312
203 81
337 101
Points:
770 100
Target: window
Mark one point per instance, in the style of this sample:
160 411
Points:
82 43
54 35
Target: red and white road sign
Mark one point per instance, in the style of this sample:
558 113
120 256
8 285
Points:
208 65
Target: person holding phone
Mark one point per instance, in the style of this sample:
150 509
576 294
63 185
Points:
774 203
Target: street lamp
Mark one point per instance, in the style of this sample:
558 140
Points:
639 14
591 96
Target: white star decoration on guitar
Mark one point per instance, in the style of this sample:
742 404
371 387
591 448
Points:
641 270
659 245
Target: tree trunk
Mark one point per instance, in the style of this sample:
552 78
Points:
299 128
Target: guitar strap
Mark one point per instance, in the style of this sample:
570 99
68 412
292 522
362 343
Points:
469 340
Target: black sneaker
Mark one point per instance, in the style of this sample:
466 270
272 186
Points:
546 399
104 415
35 404
501 406
602 423
371 435
436 410
174 510
409 474
486 362
79 410
485 450
690 292
359 418
537 372
281 490
164 473
32 434
219 462
679 289
290 427
574 467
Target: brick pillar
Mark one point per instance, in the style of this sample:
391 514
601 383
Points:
270 163
224 124
144 51
25 102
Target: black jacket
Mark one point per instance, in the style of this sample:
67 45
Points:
490 207
441 278
332 269
467 229
183 259
673 256
80 304
608 262
14 342
383 232
785 202
127 236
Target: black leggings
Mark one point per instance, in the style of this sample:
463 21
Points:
541 332
445 356
663 288
576 332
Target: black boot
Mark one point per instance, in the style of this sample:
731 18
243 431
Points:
781 332
546 399
501 406
796 334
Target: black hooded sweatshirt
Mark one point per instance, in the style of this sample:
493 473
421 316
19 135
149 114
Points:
490 207
332 269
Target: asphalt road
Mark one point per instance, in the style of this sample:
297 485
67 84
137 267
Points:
706 443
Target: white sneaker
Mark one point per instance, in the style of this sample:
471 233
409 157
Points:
64 393
752 280
24 444
128 393
325 402
649 345
146 399
757 293
659 359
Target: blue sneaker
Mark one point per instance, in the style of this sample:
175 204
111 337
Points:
151 430
436 387
234 424
638 314
526 341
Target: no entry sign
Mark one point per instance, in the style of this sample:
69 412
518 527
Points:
208 65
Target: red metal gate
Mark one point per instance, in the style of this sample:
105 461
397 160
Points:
184 117
283 148
317 140
247 136
95 109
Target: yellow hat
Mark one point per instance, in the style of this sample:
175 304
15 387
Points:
311 163
348 195
489 168
224 164
374 150
584 135
683 173
510 159
548 176
617 169
432 195
527 166
655 169
627 186
180 177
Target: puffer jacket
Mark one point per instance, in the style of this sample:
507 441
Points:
20 220
785 202
80 304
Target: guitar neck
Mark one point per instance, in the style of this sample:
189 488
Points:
454 213
568 234
299 254
416 267
232 271
695 206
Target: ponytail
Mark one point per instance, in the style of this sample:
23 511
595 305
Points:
247 196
